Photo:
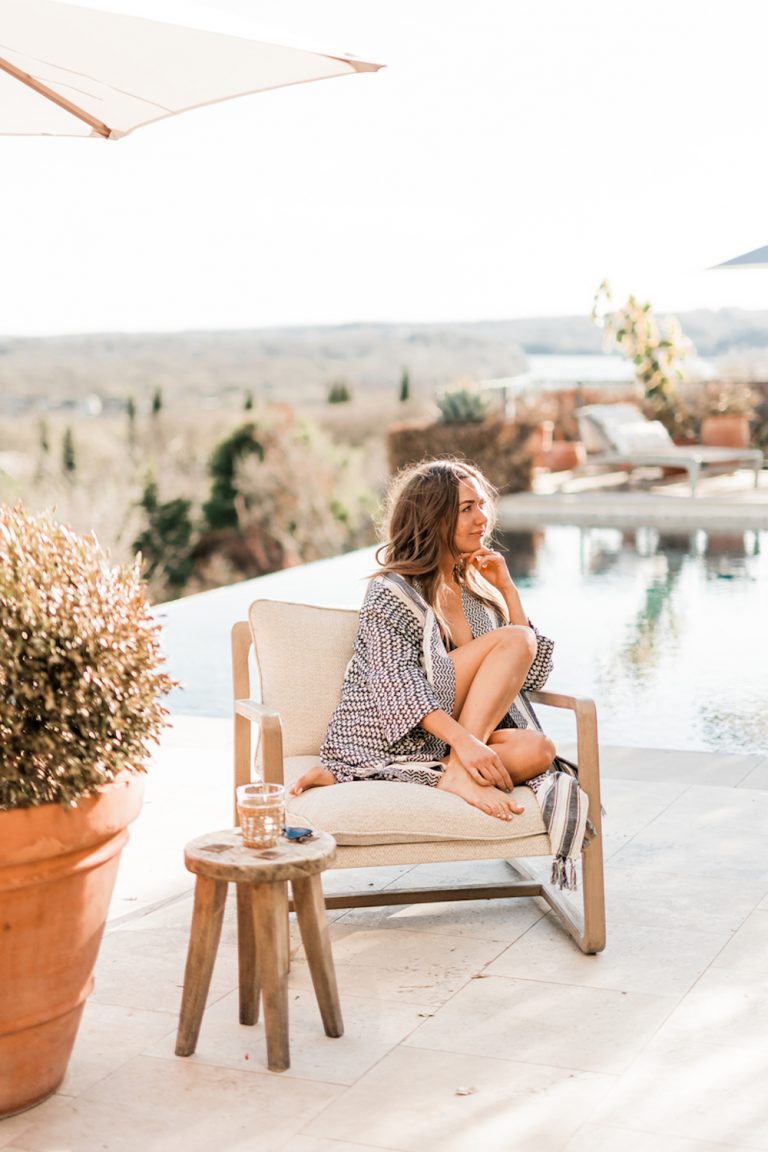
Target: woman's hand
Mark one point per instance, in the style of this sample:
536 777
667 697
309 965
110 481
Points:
481 762
492 566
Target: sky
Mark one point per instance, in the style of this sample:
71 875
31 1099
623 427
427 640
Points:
511 156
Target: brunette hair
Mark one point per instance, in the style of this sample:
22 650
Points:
421 512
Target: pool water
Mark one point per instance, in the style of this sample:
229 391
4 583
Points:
665 631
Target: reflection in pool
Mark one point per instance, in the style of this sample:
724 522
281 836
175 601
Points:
664 630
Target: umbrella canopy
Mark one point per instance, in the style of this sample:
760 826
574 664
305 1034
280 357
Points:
757 258
72 71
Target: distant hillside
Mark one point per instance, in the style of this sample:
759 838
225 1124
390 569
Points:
279 363
299 363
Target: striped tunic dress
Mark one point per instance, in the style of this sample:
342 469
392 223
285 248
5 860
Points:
399 672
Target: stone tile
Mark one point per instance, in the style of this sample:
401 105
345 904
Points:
727 1009
647 892
340 880
697 1092
665 963
745 953
14 1127
184 796
439 1100
145 969
631 808
108 1037
608 1138
502 920
318 1144
676 765
414 967
369 1034
591 1029
161 1105
758 777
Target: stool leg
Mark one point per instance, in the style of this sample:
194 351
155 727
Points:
207 916
313 925
246 957
270 919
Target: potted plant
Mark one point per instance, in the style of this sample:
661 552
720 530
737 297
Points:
80 689
726 410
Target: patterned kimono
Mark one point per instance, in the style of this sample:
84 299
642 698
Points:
400 671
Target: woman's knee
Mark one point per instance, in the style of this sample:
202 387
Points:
520 641
546 750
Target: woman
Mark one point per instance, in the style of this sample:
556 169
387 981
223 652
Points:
442 651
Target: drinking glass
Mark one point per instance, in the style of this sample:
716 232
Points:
261 812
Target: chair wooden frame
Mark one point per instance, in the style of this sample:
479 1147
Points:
585 924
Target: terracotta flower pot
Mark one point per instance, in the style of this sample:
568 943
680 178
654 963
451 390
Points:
725 431
564 455
57 872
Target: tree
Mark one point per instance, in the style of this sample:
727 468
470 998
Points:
248 402
157 401
68 456
130 408
166 541
220 510
339 392
405 386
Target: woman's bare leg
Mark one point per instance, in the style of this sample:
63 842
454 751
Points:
490 671
486 797
524 752
318 777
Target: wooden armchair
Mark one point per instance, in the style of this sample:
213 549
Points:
301 653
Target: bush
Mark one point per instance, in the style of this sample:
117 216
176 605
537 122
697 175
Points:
80 679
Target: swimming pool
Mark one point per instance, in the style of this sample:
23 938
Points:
664 630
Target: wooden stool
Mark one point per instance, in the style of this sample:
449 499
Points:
262 932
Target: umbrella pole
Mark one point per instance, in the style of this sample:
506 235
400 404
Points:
98 127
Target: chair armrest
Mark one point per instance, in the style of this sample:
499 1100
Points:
271 732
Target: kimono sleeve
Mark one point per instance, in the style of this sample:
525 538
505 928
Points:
391 638
539 671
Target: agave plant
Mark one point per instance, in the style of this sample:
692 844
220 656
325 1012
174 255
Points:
462 405
80 664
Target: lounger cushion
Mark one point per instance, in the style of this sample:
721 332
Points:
638 436
389 812
597 423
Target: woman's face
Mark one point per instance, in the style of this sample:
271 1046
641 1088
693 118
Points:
473 518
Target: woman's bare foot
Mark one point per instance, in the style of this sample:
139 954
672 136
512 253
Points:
315 778
488 799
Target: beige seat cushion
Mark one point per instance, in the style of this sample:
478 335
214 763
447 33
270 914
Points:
389 812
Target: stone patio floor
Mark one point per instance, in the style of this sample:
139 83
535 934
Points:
468 1026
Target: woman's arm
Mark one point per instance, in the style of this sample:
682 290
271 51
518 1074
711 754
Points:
493 567
479 760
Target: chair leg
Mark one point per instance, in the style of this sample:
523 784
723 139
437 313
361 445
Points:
585 926
309 903
248 975
270 919
207 917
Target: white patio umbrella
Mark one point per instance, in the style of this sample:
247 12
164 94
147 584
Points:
66 70
757 258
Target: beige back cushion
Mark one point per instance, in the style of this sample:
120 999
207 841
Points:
302 652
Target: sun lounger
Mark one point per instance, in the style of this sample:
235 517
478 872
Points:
619 436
